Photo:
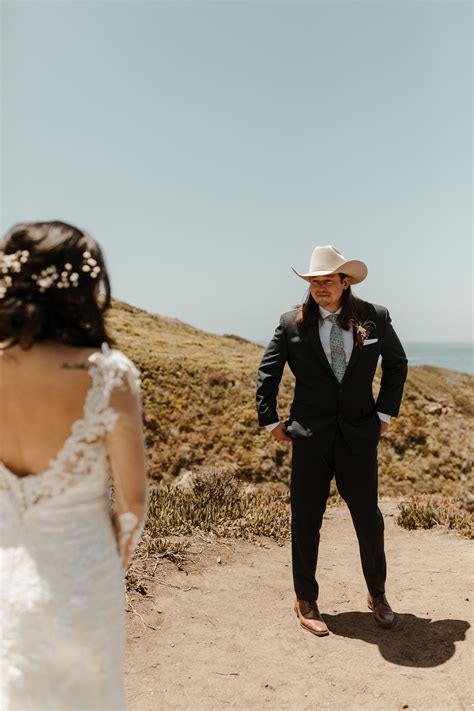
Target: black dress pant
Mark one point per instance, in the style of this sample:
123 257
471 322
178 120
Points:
356 480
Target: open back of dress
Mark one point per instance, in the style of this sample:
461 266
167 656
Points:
61 561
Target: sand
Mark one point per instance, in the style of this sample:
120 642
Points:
223 635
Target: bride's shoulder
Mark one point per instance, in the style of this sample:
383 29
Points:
115 361
111 355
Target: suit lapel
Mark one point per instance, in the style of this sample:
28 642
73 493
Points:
313 332
352 360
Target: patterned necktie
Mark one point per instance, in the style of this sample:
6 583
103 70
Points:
336 341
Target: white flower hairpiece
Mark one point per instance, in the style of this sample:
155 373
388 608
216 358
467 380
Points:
49 276
90 265
11 264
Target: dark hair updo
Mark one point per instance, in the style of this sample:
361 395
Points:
51 275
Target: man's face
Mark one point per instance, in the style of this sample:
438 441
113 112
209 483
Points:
327 290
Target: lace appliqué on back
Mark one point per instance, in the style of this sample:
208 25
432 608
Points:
83 452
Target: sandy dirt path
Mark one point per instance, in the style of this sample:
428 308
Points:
226 636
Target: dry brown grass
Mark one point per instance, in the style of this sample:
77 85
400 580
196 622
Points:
215 502
434 511
199 392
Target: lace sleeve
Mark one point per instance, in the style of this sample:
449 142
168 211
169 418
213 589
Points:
126 449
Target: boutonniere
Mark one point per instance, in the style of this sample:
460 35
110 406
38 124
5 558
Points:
362 331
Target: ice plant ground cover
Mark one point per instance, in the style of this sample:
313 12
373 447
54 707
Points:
199 411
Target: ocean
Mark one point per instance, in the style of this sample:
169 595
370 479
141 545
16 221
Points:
455 356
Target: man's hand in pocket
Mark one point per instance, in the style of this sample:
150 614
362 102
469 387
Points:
279 433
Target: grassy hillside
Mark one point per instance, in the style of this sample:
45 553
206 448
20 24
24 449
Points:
199 392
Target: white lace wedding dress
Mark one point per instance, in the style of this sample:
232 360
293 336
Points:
61 568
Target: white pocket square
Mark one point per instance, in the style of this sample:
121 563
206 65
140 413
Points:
369 341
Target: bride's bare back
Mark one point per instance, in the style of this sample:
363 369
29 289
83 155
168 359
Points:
42 394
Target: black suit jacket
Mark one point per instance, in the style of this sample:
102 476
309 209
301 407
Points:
320 402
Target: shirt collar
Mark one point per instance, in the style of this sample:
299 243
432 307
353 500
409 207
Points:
325 314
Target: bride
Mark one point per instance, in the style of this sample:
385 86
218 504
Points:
70 421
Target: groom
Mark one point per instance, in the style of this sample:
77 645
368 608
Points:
332 343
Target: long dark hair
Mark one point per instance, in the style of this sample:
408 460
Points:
352 310
51 276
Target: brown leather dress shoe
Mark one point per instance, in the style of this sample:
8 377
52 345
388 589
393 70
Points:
383 613
310 617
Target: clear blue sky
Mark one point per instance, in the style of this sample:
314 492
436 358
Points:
209 146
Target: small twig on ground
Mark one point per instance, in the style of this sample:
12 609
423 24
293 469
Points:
170 585
135 611
227 673
229 544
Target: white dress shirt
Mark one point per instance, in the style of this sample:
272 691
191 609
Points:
324 335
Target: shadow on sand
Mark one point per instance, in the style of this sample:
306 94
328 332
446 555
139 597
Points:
412 642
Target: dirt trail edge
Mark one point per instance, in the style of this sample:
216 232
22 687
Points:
226 636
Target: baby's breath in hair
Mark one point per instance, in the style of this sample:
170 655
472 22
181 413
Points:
62 278
49 278
11 264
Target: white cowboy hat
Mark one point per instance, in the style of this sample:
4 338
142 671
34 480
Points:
328 260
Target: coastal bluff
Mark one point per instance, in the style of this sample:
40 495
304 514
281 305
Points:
199 394
210 621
